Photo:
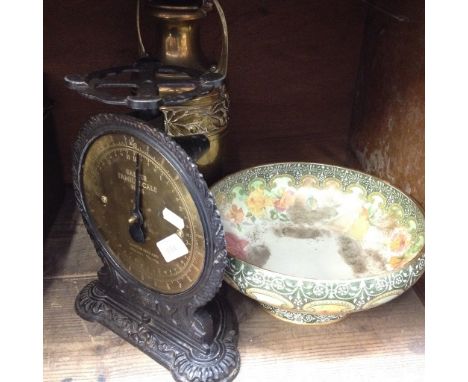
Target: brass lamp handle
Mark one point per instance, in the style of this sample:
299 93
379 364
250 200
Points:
223 59
141 46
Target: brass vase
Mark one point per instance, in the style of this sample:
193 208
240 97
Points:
178 43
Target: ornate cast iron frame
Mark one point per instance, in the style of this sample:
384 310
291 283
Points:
194 333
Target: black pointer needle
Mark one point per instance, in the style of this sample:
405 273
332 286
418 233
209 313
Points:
136 220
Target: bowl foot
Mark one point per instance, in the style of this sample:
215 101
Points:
301 318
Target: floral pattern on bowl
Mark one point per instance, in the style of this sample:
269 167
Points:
315 242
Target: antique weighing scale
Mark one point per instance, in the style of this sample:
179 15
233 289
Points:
149 212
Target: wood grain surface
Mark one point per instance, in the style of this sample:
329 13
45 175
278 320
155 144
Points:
383 344
388 124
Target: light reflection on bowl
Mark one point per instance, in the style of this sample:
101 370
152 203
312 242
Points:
313 243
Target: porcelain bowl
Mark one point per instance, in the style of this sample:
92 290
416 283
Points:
313 243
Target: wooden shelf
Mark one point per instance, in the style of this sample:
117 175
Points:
383 344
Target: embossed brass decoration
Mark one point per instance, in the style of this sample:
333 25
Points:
206 115
179 44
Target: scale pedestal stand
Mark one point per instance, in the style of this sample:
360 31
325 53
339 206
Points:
192 333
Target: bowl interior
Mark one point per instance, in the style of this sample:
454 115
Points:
318 221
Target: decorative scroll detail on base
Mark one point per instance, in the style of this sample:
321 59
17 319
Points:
187 361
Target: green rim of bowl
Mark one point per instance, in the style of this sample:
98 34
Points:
417 261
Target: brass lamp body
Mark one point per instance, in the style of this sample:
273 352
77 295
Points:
178 42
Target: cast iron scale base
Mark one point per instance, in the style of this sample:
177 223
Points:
188 359
193 333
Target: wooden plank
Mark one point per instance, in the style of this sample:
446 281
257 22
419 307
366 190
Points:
386 343
77 350
68 250
373 345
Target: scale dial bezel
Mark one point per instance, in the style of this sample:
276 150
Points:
113 273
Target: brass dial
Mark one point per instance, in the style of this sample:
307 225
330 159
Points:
144 213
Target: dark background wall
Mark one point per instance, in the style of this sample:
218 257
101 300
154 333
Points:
388 120
292 70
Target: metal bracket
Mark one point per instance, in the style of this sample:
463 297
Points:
143 81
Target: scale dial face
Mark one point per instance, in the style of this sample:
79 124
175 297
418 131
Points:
143 212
